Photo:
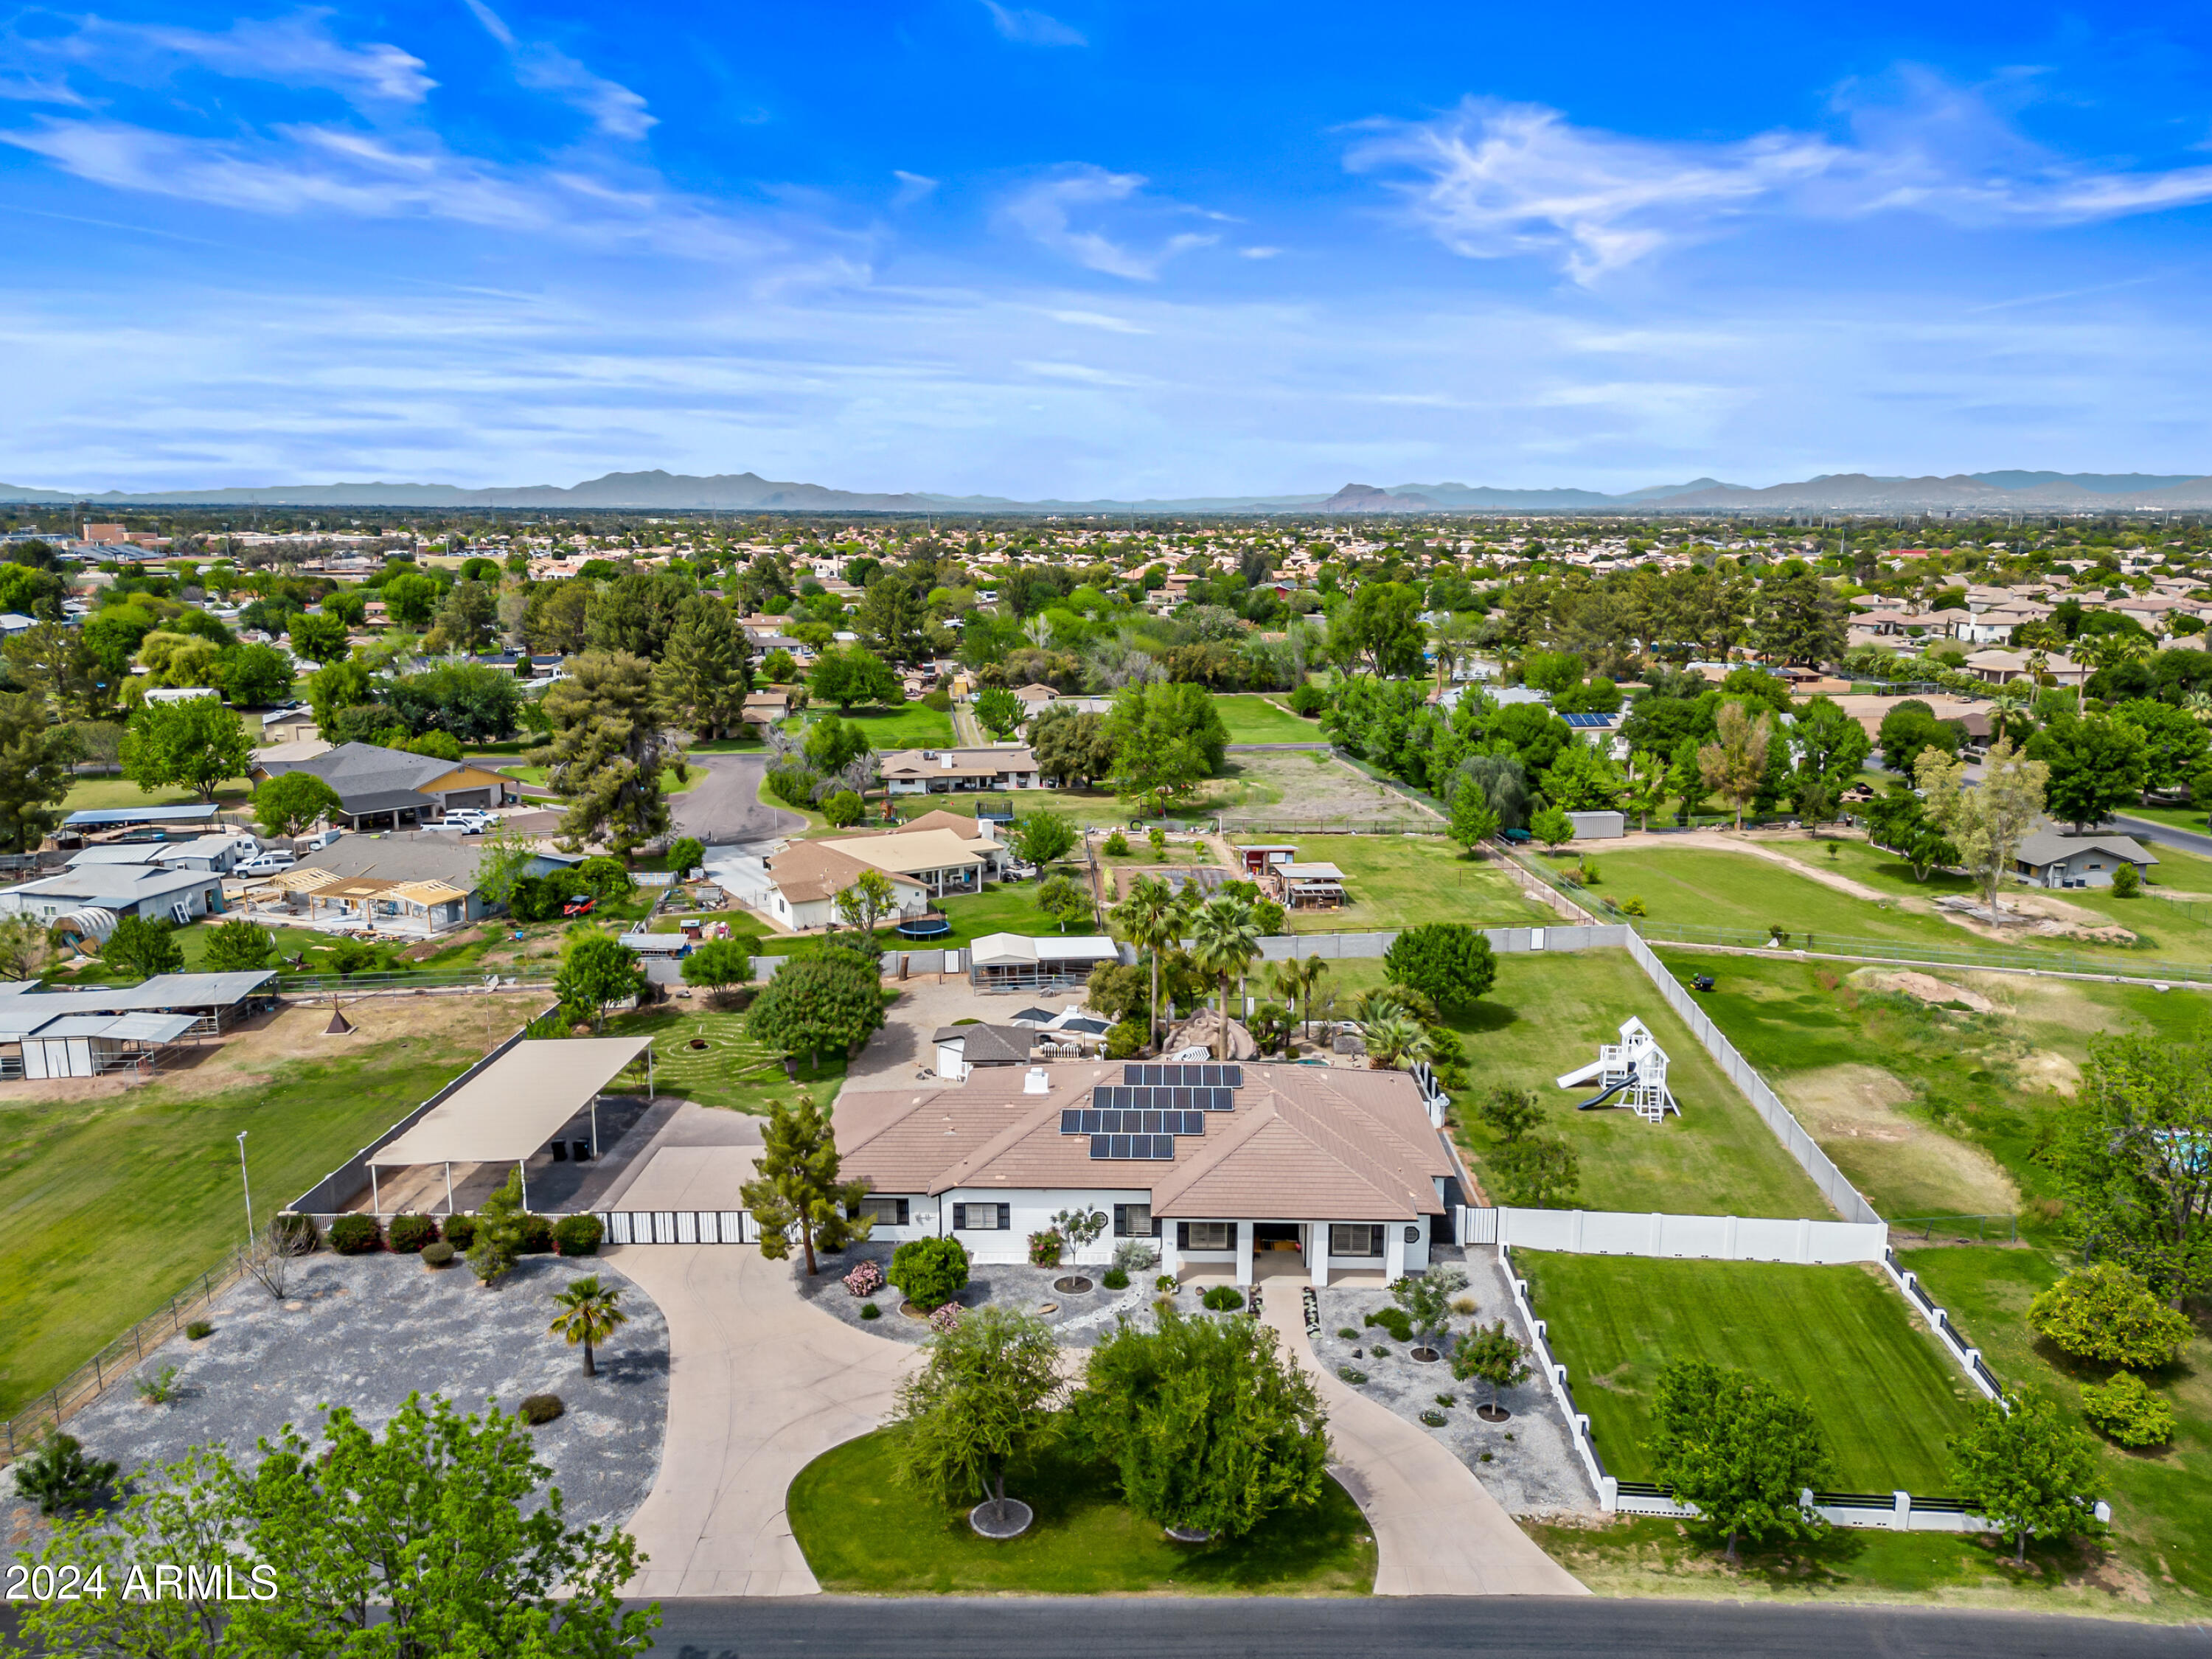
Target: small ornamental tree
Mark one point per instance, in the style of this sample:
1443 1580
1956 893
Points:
591 1312
1509 1113
1064 899
2105 1313
1427 1298
930 1271
1739 1449
1446 962
2026 1471
292 803
998 710
798 1189
1474 820
597 971
685 854
718 965
1043 838
2127 1412
867 901
143 947
1552 827
832 1002
981 1400
1209 1428
239 946
1491 1354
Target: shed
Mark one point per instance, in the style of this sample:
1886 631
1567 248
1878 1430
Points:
1599 826
1018 961
962 1048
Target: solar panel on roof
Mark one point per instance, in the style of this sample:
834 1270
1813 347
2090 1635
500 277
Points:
1112 1121
1585 721
1184 1077
1123 1098
1148 1148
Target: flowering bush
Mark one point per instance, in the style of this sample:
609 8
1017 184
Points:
864 1280
946 1318
1045 1248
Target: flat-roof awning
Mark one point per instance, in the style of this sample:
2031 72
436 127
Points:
514 1105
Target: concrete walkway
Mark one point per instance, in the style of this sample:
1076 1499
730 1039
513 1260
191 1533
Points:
760 1385
1437 1531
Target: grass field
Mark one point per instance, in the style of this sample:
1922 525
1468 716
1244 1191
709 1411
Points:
97 794
1885 1394
2160 1497
910 725
732 1071
1548 1015
118 1197
1929 1111
864 1534
1251 718
1400 881
1707 888
1004 908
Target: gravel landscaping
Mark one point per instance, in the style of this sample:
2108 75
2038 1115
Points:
365 1332
1533 1469
1078 1319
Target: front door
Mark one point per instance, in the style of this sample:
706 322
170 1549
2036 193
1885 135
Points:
1268 1236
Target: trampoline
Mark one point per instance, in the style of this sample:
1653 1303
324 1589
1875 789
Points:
926 928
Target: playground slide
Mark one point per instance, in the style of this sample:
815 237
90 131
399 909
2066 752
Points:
1628 1082
1589 1073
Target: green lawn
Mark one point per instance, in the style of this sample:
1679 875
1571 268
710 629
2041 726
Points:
864 1534
96 794
1251 718
1401 881
2176 818
2159 1498
117 1203
1841 1337
732 1072
1929 1111
1548 1015
1705 888
911 725
1004 908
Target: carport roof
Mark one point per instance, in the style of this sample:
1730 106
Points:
514 1105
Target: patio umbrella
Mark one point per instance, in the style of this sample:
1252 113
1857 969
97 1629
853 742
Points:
1034 1017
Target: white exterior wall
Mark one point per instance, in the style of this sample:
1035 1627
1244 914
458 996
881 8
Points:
1031 1212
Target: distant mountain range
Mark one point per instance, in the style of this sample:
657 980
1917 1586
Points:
1987 492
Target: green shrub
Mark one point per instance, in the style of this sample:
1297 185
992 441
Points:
533 1234
410 1233
2105 1313
1116 1280
578 1235
1351 1374
537 1408
2126 1410
1633 907
1448 1400
1380 1351
1126 1040
1045 1248
353 1235
1435 1419
1393 1320
1223 1298
1166 1284
1309 700
870 1310
59 1476
1347 1334
1117 845
440 1255
930 1271
199 1330
940 701
460 1230
2126 883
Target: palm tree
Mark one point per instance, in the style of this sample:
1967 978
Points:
1226 937
1151 917
2101 651
1394 1041
2199 706
588 1315
1296 982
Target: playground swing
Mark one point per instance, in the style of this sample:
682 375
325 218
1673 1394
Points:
1634 1068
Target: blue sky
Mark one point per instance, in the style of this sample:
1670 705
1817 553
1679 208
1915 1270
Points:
1078 250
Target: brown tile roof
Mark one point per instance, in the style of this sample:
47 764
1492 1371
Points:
809 870
1305 1143
966 762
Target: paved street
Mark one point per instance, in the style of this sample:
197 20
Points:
727 806
1429 1627
2163 834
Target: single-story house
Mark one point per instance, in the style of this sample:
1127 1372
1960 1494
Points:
219 855
765 708
381 787
805 880
943 771
2048 859
421 884
962 1048
286 725
1016 962
1255 1170
938 853
2000 667
150 890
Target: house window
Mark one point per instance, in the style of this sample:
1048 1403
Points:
1359 1238
884 1211
1206 1234
981 1218
1134 1221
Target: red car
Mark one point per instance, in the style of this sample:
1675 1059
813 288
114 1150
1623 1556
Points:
581 907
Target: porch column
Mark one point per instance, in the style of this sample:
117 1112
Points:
375 1196
595 1125
449 1186
1394 1251
522 1173
1318 1253
1243 1252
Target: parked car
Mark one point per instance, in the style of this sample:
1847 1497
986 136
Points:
582 907
468 820
270 863
316 842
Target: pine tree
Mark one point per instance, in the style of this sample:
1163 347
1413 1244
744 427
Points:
705 669
798 1188
607 751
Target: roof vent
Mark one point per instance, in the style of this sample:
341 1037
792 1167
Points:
1035 1082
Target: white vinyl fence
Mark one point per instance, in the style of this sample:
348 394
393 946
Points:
679 1227
1707 1237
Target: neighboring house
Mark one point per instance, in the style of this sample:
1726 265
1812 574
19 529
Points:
182 694
805 880
219 855
288 726
121 890
385 788
766 708
13 622
1016 962
423 884
938 853
1309 1170
962 1048
2000 667
2048 859
944 771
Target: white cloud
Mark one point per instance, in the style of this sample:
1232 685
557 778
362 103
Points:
1259 252
298 50
614 109
1032 28
1046 211
913 188
1491 179
1097 319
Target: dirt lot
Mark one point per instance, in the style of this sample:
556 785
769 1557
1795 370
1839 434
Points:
1306 787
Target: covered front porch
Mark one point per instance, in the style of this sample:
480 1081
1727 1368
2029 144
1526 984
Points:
1248 1252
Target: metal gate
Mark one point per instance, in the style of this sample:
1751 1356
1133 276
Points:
679 1227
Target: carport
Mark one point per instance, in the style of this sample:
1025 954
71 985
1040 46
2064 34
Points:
513 1106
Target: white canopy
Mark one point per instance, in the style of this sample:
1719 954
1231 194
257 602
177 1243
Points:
514 1105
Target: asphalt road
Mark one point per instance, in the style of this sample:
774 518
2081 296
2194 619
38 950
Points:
2163 834
832 1627
726 805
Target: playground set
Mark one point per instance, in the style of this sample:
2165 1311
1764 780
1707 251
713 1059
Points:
1634 1068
